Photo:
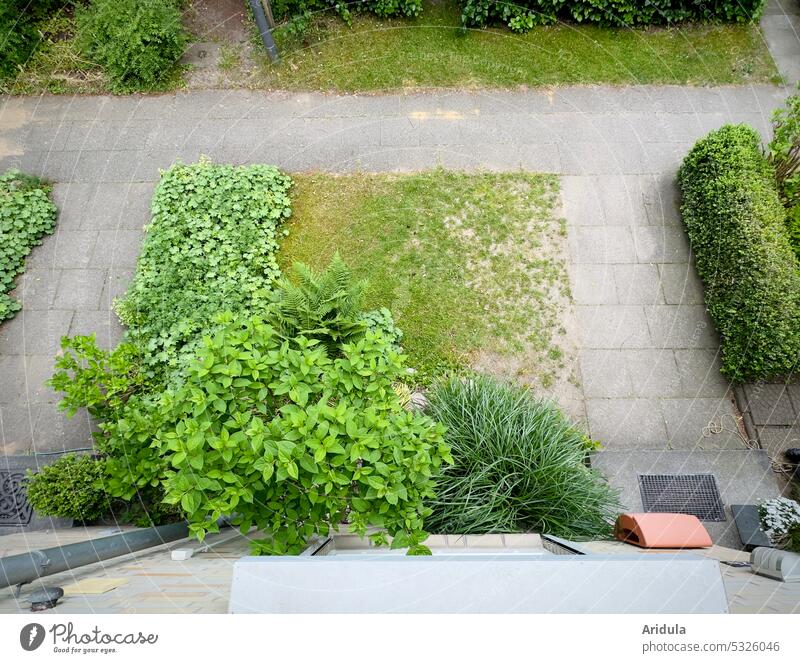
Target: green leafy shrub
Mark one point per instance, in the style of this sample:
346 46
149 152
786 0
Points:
210 248
294 442
522 16
137 42
26 214
736 224
71 487
784 154
298 12
518 465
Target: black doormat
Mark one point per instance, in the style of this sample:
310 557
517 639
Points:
14 507
693 494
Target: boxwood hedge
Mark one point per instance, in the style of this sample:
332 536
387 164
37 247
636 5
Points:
736 224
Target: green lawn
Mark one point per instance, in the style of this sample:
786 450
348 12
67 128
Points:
471 265
433 51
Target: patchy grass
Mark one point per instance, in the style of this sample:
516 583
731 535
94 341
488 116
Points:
471 265
434 51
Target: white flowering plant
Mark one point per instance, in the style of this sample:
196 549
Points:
780 520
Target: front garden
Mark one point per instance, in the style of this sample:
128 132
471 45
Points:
290 399
122 46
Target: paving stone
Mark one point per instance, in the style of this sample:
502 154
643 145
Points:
680 327
680 283
613 327
664 244
34 332
699 373
601 245
12 378
80 289
105 326
23 379
777 439
54 431
626 423
794 394
770 405
653 373
36 288
119 206
694 423
16 427
117 248
581 201
66 249
604 374
71 199
116 285
593 284
638 284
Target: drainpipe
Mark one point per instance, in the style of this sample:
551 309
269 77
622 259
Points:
266 36
26 567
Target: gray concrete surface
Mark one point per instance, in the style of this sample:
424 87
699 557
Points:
781 27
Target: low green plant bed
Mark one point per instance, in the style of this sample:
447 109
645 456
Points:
472 266
737 226
518 465
26 215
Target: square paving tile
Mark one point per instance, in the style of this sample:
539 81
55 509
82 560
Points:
604 374
601 245
34 332
104 325
680 283
36 288
613 327
626 423
699 371
638 284
680 327
770 405
661 244
23 379
695 423
653 373
118 249
593 284
80 289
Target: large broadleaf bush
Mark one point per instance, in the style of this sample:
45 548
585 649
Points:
26 215
524 15
137 42
737 227
518 465
784 154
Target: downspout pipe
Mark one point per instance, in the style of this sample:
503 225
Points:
27 567
263 29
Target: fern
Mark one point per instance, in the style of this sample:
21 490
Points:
325 306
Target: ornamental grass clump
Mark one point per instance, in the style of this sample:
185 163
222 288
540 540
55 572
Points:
518 466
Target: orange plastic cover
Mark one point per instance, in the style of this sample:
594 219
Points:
662 530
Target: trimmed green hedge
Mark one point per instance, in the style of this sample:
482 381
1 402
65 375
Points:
523 15
736 224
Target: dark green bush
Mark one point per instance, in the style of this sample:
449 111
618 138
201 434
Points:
26 214
71 487
784 154
736 224
518 466
18 34
137 42
523 15
303 9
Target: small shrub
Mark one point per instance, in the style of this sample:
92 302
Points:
137 42
325 306
210 248
736 224
522 16
780 520
297 13
295 442
26 214
71 487
518 466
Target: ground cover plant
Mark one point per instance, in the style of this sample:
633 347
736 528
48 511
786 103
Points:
471 265
26 215
518 465
737 226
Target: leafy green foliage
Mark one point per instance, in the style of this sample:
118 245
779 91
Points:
18 30
210 247
736 224
303 9
321 305
784 154
525 15
71 487
137 42
295 442
518 465
26 214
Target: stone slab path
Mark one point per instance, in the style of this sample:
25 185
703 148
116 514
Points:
649 352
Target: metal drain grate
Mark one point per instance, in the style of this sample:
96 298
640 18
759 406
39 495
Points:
14 506
693 494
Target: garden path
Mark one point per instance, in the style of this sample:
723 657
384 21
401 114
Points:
649 352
